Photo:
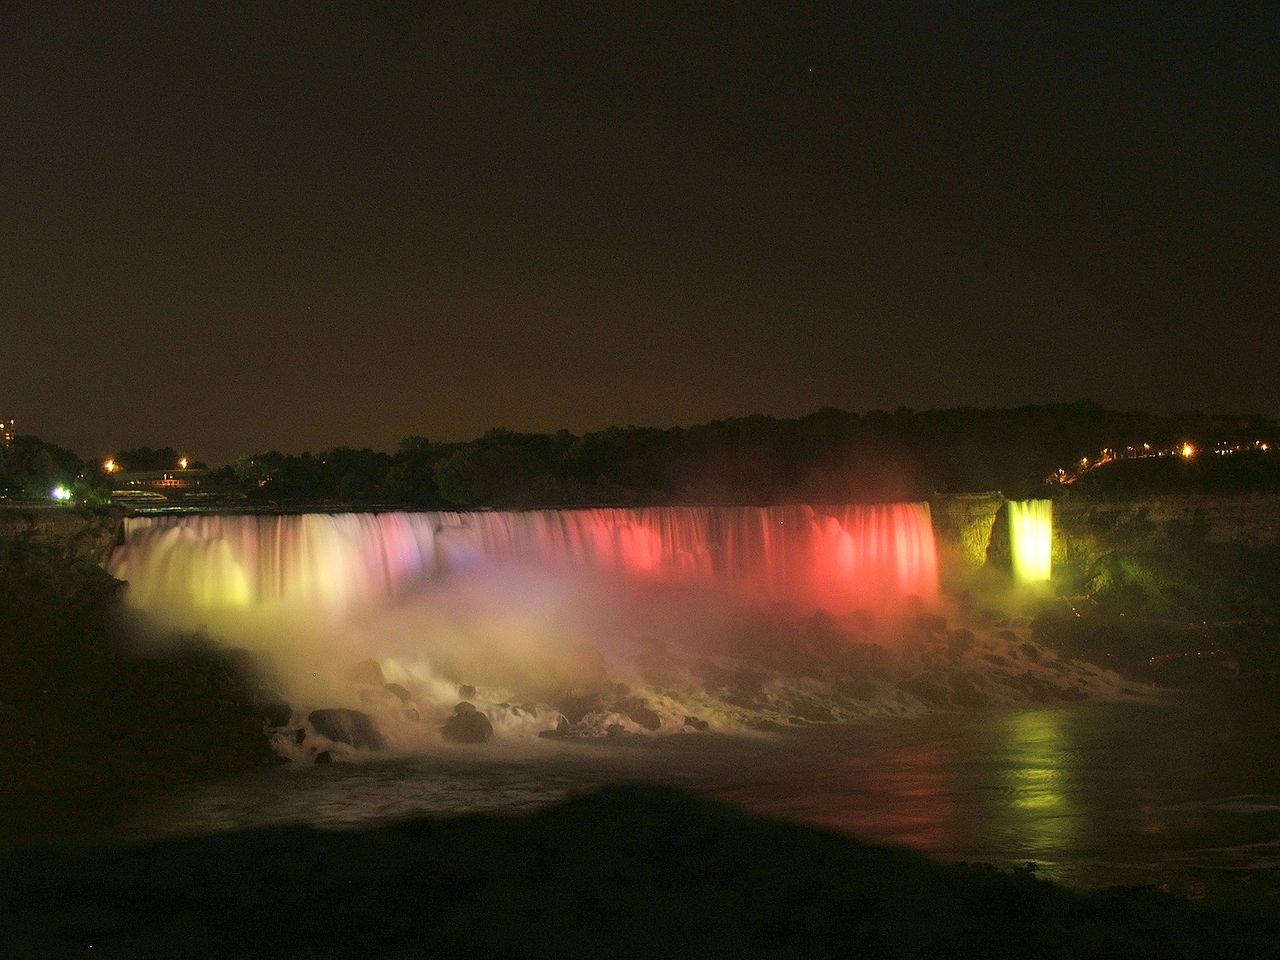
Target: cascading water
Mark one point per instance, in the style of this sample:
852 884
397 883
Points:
532 606
1031 539
595 619
835 558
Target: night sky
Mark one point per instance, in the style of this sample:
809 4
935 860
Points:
229 231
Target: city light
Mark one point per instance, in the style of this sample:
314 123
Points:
1188 451
60 493
110 465
182 463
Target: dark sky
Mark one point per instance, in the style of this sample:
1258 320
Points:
325 224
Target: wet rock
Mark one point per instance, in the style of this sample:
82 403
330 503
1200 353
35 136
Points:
931 623
367 672
563 729
960 642
575 708
637 711
466 691
324 756
347 726
276 714
467 725
812 712
299 735
399 692
1007 635
696 724
615 730
1030 651
965 693
926 691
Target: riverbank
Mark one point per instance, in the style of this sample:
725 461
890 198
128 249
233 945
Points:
624 871
85 703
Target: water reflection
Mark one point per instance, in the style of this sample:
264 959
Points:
1040 811
1094 794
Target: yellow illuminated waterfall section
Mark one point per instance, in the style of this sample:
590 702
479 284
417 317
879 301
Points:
1031 539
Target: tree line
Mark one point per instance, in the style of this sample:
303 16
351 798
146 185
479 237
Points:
825 457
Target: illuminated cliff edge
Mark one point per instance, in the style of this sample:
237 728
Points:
836 558
1031 539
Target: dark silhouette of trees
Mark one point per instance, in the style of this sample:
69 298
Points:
830 456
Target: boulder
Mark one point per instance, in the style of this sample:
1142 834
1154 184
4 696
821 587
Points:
347 726
695 723
368 672
563 729
640 712
466 691
931 623
276 714
575 708
960 642
399 692
324 756
615 730
467 725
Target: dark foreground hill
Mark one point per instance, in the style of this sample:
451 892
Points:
627 871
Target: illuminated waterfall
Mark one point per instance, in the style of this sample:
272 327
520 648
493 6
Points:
1031 539
836 558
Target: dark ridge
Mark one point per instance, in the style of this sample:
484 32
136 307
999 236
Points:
626 871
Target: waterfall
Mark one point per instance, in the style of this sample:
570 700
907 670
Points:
1031 539
837 558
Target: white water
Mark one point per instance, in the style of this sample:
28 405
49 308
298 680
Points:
741 616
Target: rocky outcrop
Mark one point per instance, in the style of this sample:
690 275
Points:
467 725
351 727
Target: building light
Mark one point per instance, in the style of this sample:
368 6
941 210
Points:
110 465
182 463
60 493
1188 451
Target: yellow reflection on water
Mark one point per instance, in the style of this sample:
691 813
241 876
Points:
1040 814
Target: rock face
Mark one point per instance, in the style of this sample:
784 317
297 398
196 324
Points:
640 712
348 726
467 725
